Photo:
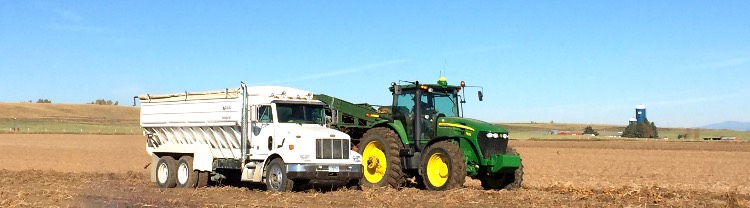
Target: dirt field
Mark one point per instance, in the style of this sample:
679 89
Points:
107 171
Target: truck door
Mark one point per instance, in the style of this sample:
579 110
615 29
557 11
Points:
263 131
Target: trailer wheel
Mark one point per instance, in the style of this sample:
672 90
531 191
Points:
443 166
276 178
504 180
186 176
380 158
166 170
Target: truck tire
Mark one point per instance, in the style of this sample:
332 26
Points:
379 148
506 181
202 179
186 176
166 170
443 166
276 178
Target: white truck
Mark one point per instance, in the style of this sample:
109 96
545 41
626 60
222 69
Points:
265 134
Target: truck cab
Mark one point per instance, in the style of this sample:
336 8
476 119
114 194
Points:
294 129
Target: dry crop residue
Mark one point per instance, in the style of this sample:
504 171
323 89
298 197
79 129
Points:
107 171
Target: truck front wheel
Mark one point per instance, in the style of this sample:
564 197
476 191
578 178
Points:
380 158
166 170
443 166
276 178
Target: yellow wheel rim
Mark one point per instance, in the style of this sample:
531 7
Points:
374 161
437 170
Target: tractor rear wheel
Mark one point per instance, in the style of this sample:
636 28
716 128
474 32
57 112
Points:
379 148
504 180
443 166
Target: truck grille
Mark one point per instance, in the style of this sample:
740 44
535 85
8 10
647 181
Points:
491 146
332 149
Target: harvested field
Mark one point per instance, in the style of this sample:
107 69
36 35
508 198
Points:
107 170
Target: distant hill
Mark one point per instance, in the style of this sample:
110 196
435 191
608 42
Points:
70 113
731 125
53 118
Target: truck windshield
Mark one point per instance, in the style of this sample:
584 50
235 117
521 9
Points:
300 113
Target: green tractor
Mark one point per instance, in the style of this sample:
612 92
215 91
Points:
423 135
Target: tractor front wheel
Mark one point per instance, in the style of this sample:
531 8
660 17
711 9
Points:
443 166
380 158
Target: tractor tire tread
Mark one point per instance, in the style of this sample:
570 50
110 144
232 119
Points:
392 143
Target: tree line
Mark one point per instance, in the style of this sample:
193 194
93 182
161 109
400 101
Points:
643 129
96 102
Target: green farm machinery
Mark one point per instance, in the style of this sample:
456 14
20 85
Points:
423 135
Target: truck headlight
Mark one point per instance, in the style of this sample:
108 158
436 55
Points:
357 158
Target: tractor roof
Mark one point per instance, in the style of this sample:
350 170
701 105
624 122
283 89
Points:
433 86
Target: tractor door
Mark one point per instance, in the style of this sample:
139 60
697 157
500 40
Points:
410 107
403 106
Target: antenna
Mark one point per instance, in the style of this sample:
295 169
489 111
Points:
445 63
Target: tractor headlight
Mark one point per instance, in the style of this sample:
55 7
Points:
505 136
493 135
489 135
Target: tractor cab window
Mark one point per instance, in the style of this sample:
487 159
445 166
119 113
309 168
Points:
444 103
405 104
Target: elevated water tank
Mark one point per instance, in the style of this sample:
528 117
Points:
640 113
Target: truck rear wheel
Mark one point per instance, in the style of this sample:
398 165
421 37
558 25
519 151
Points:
504 180
276 178
380 158
166 170
443 166
186 176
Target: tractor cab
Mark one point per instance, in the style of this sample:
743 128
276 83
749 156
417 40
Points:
419 106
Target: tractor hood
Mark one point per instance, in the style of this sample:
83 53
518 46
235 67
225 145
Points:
471 124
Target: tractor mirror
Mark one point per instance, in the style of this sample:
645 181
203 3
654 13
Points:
396 89
480 95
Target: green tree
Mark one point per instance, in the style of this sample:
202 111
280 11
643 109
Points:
640 130
648 132
590 130
629 131
104 102
654 130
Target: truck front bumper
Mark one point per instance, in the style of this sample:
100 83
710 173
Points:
324 171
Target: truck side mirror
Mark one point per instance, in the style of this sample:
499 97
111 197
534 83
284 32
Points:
253 114
480 95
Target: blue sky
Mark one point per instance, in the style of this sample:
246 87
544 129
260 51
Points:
579 62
